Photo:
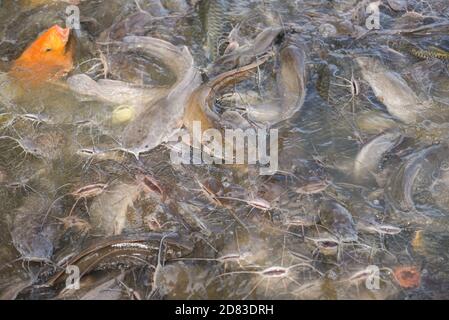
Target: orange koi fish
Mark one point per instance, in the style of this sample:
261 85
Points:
49 57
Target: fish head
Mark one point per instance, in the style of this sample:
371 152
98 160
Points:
52 43
49 56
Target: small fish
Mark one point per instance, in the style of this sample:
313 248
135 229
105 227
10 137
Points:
417 52
108 211
292 79
34 241
327 245
245 54
338 219
374 227
49 57
158 122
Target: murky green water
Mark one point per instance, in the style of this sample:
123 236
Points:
361 187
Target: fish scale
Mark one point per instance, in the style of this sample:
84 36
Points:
419 53
217 25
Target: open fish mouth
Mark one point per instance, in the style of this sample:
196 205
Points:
63 32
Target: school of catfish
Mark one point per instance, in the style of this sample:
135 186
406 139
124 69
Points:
358 207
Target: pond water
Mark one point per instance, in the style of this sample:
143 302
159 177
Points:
356 101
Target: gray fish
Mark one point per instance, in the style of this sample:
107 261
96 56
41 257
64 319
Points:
247 53
369 157
33 240
291 83
392 90
292 79
339 220
372 226
401 185
158 122
114 91
108 211
102 254
158 111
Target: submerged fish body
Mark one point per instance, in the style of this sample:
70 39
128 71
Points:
109 210
114 91
158 111
125 250
419 166
158 122
292 79
33 239
291 85
339 220
392 90
292 74
216 24
201 100
369 157
247 53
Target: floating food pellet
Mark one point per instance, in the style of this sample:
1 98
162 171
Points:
408 277
417 242
123 114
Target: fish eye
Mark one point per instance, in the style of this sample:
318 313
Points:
47 49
